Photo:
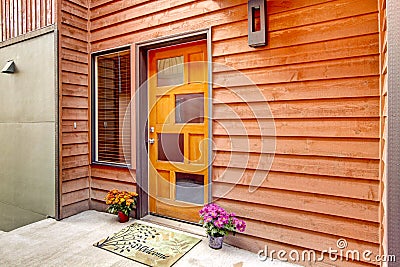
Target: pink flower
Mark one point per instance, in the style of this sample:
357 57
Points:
213 214
202 212
207 219
218 223
240 226
224 219
219 218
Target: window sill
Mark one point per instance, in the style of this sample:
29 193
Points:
109 164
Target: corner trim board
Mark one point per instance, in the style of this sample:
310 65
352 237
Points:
392 187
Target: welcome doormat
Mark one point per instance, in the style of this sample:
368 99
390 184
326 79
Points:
149 244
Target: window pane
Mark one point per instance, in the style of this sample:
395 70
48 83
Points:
170 71
170 147
189 187
113 117
189 108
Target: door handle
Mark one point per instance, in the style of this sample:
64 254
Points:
151 140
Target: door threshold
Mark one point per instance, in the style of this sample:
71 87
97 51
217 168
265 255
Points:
174 224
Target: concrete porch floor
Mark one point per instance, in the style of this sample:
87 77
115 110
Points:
70 243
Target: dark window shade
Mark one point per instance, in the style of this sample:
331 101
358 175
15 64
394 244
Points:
113 117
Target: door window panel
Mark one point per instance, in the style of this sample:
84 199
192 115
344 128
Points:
170 147
189 108
170 71
189 187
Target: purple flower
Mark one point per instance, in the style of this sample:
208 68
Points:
224 218
218 224
213 214
207 219
202 212
220 218
240 226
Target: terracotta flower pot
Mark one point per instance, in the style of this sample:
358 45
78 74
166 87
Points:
122 217
215 242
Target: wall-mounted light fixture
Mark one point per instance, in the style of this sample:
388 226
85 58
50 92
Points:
257 23
9 67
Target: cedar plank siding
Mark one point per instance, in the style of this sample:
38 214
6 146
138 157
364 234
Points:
74 103
323 75
83 186
320 76
104 179
19 17
383 112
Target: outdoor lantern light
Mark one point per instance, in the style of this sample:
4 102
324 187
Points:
257 26
9 67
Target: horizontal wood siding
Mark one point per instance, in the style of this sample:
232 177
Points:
74 106
311 73
383 113
83 186
319 75
22 16
104 179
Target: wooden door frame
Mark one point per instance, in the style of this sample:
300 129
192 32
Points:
141 107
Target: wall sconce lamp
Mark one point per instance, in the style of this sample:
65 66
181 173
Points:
9 67
257 26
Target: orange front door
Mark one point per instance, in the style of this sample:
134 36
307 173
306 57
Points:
178 130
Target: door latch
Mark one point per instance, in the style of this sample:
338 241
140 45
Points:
151 140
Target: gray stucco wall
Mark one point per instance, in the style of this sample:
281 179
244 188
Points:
27 132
